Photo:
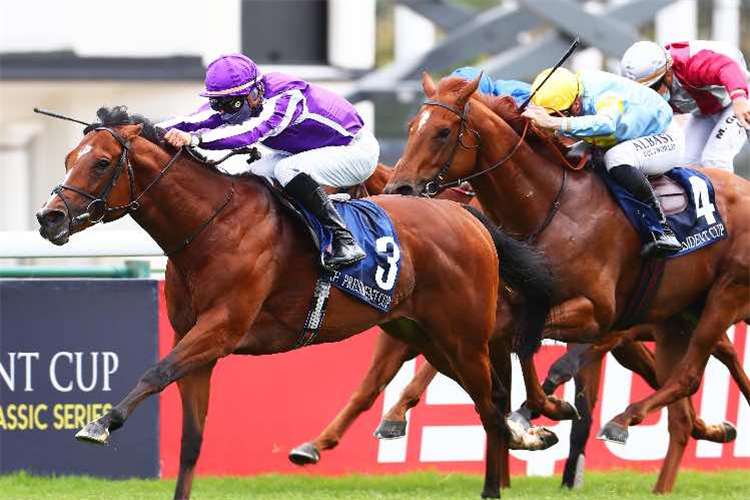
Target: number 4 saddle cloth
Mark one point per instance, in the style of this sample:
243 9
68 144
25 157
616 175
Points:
373 279
687 198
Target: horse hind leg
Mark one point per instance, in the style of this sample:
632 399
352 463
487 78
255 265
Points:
725 352
393 423
390 354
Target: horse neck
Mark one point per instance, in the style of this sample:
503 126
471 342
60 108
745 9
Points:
181 201
520 193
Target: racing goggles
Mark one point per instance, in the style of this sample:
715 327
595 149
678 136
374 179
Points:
229 104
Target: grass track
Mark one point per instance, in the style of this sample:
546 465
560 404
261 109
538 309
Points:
619 485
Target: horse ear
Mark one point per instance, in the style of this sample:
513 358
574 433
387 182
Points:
469 90
428 85
130 131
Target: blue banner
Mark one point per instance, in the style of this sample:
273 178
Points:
69 350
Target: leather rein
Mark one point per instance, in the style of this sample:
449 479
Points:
98 207
436 184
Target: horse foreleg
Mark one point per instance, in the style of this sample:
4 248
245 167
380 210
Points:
204 344
723 304
194 392
587 394
393 424
390 354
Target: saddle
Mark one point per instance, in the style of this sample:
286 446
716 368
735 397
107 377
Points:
672 195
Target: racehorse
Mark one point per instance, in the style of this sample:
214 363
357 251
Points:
241 274
390 354
519 181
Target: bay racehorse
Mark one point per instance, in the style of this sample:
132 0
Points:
520 181
241 275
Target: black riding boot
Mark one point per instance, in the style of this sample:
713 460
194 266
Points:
346 251
636 182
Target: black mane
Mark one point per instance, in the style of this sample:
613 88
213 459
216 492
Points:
118 116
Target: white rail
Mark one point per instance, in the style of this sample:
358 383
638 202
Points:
91 243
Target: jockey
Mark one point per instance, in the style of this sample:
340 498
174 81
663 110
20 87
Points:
518 90
632 123
709 80
315 136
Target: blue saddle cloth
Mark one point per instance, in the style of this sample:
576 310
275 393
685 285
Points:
698 226
373 279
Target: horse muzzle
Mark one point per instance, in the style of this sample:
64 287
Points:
402 188
53 225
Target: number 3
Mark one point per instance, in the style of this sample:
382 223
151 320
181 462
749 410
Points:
703 207
381 244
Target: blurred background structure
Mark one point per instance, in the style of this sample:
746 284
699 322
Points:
74 56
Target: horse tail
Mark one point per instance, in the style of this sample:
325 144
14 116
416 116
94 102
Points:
526 271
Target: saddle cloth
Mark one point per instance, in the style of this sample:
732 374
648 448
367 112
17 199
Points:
688 199
372 280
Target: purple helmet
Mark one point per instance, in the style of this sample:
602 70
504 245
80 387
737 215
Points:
231 75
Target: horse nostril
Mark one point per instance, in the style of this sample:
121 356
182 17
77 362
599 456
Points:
405 190
50 218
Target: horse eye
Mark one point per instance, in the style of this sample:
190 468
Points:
444 133
102 164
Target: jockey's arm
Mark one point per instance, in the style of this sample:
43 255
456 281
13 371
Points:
712 68
276 115
204 118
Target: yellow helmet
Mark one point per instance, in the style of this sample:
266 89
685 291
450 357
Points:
559 92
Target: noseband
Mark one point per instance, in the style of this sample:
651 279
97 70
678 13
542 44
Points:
436 184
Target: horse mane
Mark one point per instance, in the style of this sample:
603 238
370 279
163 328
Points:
118 116
506 108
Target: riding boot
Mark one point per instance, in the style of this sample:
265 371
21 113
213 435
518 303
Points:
346 251
635 181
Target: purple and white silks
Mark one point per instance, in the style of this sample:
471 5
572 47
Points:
296 117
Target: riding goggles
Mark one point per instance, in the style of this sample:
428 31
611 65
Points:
229 104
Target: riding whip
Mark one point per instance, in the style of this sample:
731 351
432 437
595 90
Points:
62 117
559 63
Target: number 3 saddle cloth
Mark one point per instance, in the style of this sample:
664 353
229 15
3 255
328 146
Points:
373 279
687 197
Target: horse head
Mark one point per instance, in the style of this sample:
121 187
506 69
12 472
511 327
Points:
441 146
97 184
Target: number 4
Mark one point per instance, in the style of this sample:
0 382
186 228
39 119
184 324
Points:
703 206
381 244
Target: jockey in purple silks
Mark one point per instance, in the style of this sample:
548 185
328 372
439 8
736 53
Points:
315 136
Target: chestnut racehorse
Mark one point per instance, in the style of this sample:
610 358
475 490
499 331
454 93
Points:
241 275
571 216
390 354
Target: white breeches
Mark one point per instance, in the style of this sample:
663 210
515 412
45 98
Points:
335 166
714 140
652 154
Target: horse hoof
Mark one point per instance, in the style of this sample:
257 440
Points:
491 494
305 454
94 433
531 439
568 411
730 432
614 433
390 429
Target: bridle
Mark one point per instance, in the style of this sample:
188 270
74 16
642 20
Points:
98 208
436 184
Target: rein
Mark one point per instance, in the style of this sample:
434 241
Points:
436 185
134 204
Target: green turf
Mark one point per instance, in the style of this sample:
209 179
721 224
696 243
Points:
617 485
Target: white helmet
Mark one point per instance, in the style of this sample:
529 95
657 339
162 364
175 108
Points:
645 62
